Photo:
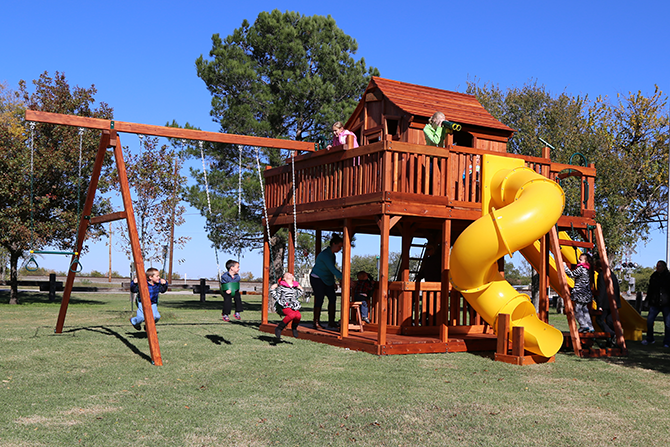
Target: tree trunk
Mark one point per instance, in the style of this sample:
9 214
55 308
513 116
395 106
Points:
14 276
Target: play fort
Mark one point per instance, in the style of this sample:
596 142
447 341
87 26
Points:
470 199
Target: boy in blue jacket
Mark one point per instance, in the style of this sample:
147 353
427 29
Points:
230 289
156 285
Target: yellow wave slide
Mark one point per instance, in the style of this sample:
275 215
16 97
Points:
518 207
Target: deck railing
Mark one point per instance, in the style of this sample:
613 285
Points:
366 174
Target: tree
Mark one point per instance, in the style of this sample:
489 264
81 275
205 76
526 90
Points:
154 176
627 142
42 208
517 276
285 76
365 263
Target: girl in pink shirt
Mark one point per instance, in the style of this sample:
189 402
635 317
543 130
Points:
340 136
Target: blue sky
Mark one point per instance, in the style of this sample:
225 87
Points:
140 55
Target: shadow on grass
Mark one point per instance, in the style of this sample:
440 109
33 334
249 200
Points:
210 304
108 331
654 357
272 341
217 339
43 298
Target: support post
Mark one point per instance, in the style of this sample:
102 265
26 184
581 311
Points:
565 291
407 296
444 292
203 290
149 322
346 278
382 304
52 287
543 299
105 142
600 243
502 334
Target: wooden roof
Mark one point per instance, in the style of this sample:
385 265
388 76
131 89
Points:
424 101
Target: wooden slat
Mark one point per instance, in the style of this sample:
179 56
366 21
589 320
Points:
83 225
162 131
565 291
108 217
600 241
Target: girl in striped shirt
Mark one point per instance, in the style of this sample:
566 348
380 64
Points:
286 294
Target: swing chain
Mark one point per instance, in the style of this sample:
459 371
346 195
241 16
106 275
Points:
239 198
265 210
209 203
295 217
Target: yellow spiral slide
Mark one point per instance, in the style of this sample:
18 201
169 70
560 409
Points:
518 207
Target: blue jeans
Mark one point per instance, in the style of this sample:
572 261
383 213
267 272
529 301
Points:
140 314
651 317
583 316
364 305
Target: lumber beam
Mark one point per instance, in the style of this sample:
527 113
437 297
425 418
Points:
108 217
565 291
163 131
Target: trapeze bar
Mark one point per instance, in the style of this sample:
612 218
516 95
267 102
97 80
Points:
46 252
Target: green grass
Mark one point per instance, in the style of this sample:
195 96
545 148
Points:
229 384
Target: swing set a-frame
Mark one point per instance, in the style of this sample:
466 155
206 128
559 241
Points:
109 139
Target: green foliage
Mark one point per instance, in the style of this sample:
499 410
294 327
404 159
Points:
366 263
284 76
516 276
37 272
51 218
641 275
626 141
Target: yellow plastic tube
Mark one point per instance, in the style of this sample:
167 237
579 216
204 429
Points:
518 207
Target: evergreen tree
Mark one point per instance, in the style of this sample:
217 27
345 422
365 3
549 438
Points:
286 76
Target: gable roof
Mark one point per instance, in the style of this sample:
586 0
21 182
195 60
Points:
424 101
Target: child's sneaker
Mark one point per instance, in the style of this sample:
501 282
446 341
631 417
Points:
137 326
225 318
237 316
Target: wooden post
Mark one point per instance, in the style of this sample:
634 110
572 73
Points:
407 297
105 142
317 243
350 142
604 261
517 341
543 299
346 278
52 287
565 291
203 290
382 304
502 334
444 292
149 323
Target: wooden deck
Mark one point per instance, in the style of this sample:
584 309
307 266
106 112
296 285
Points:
395 343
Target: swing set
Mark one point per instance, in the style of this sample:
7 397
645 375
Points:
31 265
110 138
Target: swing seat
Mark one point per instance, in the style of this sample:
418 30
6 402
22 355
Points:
232 287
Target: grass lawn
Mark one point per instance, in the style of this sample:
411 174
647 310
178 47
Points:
229 384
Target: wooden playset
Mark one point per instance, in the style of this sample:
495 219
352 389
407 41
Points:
393 185
396 185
